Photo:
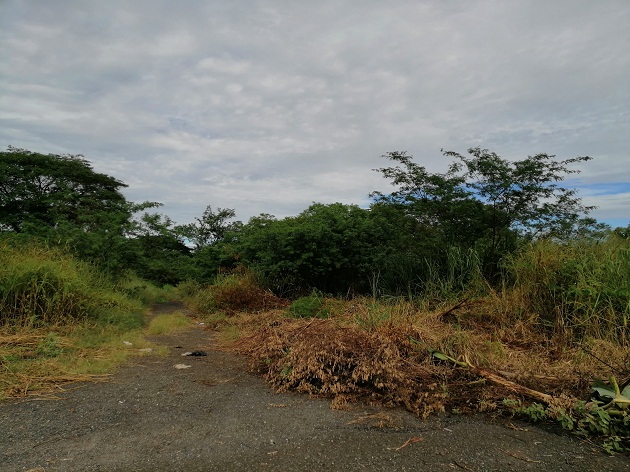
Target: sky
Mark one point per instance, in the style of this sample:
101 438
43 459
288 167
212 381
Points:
268 106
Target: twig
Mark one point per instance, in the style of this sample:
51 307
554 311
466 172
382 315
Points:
408 442
590 353
512 385
462 466
454 307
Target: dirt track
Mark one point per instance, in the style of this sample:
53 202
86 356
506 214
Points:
214 416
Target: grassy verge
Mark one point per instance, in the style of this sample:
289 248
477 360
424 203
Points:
63 321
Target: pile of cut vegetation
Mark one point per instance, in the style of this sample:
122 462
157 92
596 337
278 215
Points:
464 358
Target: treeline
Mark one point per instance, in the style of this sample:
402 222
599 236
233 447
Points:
435 234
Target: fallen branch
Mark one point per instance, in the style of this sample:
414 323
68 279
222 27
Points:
495 378
517 388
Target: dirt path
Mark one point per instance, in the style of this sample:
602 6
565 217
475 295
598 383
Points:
214 416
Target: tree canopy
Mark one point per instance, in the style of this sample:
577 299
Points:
50 190
433 226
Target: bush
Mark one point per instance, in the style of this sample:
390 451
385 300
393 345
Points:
238 291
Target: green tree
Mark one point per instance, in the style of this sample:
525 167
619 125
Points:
48 190
487 202
328 247
63 201
210 228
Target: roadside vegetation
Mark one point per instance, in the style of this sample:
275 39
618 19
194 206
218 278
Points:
486 288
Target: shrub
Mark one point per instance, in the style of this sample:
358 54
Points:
235 292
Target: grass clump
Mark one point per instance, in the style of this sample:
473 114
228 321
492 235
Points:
62 320
49 346
144 291
312 306
41 287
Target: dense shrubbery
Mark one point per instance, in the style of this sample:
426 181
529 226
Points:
487 225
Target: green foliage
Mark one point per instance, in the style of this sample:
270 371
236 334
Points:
140 289
486 202
120 320
373 316
611 429
43 190
167 324
49 346
188 289
329 247
312 306
62 201
580 288
210 228
40 286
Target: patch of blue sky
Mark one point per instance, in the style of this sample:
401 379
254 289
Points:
608 188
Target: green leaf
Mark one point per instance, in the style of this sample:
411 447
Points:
604 390
441 356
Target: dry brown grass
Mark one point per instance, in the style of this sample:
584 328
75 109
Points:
34 364
232 293
388 358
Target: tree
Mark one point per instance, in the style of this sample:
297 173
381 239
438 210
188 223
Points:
38 190
328 247
210 228
63 201
487 202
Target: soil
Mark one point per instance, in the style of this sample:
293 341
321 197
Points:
215 416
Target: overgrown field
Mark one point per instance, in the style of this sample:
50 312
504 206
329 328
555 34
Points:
534 347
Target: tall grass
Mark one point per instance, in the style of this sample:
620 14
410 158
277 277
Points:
575 290
41 286
579 289
430 280
62 320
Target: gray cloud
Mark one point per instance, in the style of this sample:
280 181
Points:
266 106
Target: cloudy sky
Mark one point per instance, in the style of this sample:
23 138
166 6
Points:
267 106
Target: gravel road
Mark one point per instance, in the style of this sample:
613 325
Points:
214 416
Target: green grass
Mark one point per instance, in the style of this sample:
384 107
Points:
168 324
577 290
62 320
43 287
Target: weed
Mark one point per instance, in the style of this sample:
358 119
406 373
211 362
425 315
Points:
612 429
49 346
312 306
